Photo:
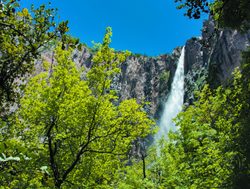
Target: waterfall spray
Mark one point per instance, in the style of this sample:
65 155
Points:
174 102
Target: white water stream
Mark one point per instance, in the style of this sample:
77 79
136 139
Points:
174 102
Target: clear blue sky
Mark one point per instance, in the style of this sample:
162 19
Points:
149 27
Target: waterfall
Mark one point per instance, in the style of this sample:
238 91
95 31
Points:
174 101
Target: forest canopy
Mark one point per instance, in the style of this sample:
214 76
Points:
66 127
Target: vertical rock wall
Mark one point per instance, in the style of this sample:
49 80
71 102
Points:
212 58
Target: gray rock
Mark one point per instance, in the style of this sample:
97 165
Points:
208 59
212 58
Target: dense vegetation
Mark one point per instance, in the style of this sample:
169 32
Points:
66 128
228 13
211 149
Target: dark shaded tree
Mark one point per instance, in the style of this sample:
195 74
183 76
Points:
228 13
241 176
23 35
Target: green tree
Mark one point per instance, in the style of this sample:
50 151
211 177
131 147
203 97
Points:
23 35
76 131
211 148
209 131
242 169
163 168
194 7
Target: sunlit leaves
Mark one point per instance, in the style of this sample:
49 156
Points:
23 34
210 150
78 126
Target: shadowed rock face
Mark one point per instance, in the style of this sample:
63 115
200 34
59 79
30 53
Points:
225 55
212 58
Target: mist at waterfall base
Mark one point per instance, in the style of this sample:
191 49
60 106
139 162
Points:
174 101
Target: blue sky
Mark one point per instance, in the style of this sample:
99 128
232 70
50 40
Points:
149 27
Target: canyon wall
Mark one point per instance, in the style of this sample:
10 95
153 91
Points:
210 58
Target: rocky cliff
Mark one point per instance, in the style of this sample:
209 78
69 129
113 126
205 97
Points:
208 59
213 57
145 78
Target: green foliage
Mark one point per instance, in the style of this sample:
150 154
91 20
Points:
23 35
211 148
162 171
164 77
76 132
208 131
194 7
17 169
72 131
232 13
242 168
228 13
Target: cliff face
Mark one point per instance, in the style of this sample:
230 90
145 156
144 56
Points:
147 79
208 59
212 58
